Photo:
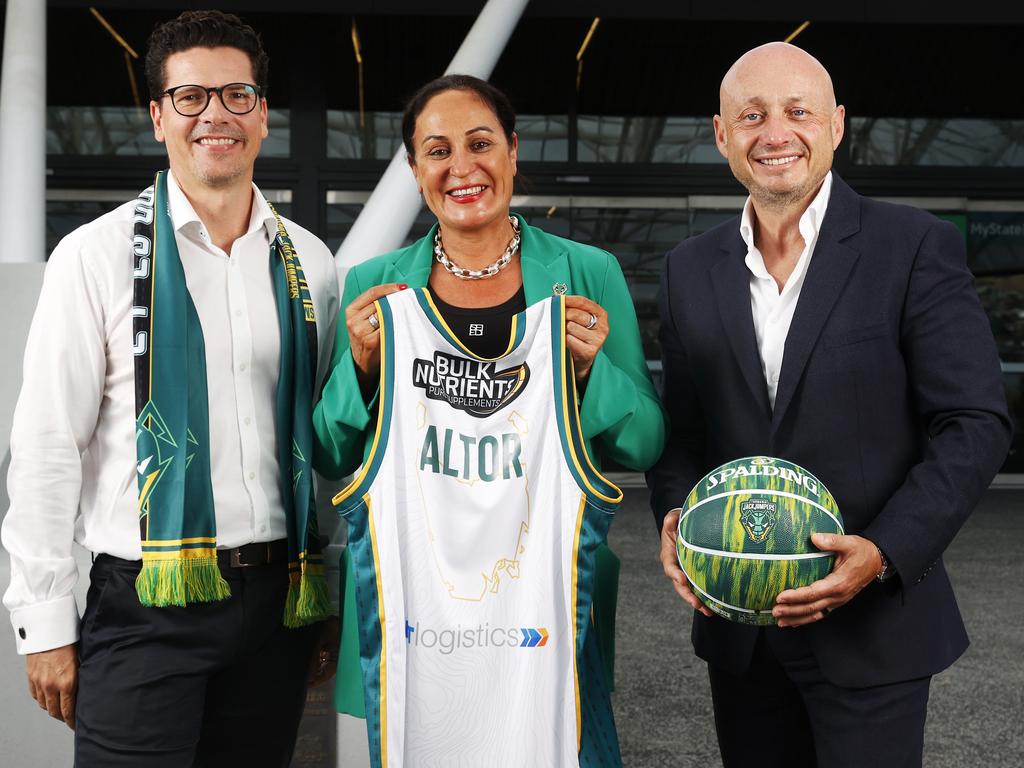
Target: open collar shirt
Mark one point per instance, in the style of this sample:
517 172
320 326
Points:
771 308
73 461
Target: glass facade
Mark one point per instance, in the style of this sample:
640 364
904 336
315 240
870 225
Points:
995 252
618 139
1003 299
936 141
377 137
1013 378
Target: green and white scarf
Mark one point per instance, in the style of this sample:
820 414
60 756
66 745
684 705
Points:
176 510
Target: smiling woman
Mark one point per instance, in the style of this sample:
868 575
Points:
489 280
462 148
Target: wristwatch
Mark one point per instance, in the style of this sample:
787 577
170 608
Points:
887 571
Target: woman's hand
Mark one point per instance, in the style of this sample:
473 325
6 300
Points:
364 334
586 328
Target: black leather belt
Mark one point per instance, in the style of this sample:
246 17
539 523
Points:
257 553
245 556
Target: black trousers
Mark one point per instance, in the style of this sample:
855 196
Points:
783 712
212 684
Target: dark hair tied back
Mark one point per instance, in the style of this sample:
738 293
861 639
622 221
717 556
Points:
203 29
487 93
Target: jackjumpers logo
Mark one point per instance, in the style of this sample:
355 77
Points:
473 386
758 518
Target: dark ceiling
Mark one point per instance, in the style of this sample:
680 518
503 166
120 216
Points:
647 65
854 11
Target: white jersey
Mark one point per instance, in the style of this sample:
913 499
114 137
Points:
473 526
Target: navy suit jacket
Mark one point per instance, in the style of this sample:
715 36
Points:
890 392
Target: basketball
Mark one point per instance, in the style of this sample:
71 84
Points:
744 535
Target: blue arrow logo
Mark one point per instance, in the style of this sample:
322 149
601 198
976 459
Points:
530 638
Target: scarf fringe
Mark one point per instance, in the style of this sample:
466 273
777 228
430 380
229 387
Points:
308 601
178 582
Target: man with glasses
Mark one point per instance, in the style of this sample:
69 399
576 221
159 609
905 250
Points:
164 424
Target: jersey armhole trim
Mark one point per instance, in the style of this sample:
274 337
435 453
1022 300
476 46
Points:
603 493
352 494
577 646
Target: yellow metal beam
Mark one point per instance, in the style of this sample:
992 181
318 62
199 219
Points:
113 33
583 50
357 50
586 40
797 31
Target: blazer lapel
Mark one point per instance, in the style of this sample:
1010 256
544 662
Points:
544 265
731 281
827 273
413 265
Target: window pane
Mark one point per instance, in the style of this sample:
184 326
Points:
1003 300
611 139
543 138
378 138
1013 377
995 254
936 141
128 132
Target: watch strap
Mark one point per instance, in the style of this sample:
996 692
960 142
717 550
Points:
887 571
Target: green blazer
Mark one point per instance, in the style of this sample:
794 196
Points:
620 411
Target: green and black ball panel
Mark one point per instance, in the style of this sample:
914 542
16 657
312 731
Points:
744 535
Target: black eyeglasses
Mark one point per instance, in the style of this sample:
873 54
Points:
192 100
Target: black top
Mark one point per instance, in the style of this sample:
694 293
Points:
484 330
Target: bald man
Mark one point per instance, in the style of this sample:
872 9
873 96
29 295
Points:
845 335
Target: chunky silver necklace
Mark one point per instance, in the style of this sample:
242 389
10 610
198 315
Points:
478 274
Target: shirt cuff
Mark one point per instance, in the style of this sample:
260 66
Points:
45 626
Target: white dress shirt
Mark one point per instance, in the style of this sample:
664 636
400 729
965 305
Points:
773 309
73 475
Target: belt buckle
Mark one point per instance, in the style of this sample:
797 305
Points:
235 560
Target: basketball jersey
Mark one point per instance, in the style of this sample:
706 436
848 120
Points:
473 524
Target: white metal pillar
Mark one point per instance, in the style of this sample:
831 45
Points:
23 132
389 213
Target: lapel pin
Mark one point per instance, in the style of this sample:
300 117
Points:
559 289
